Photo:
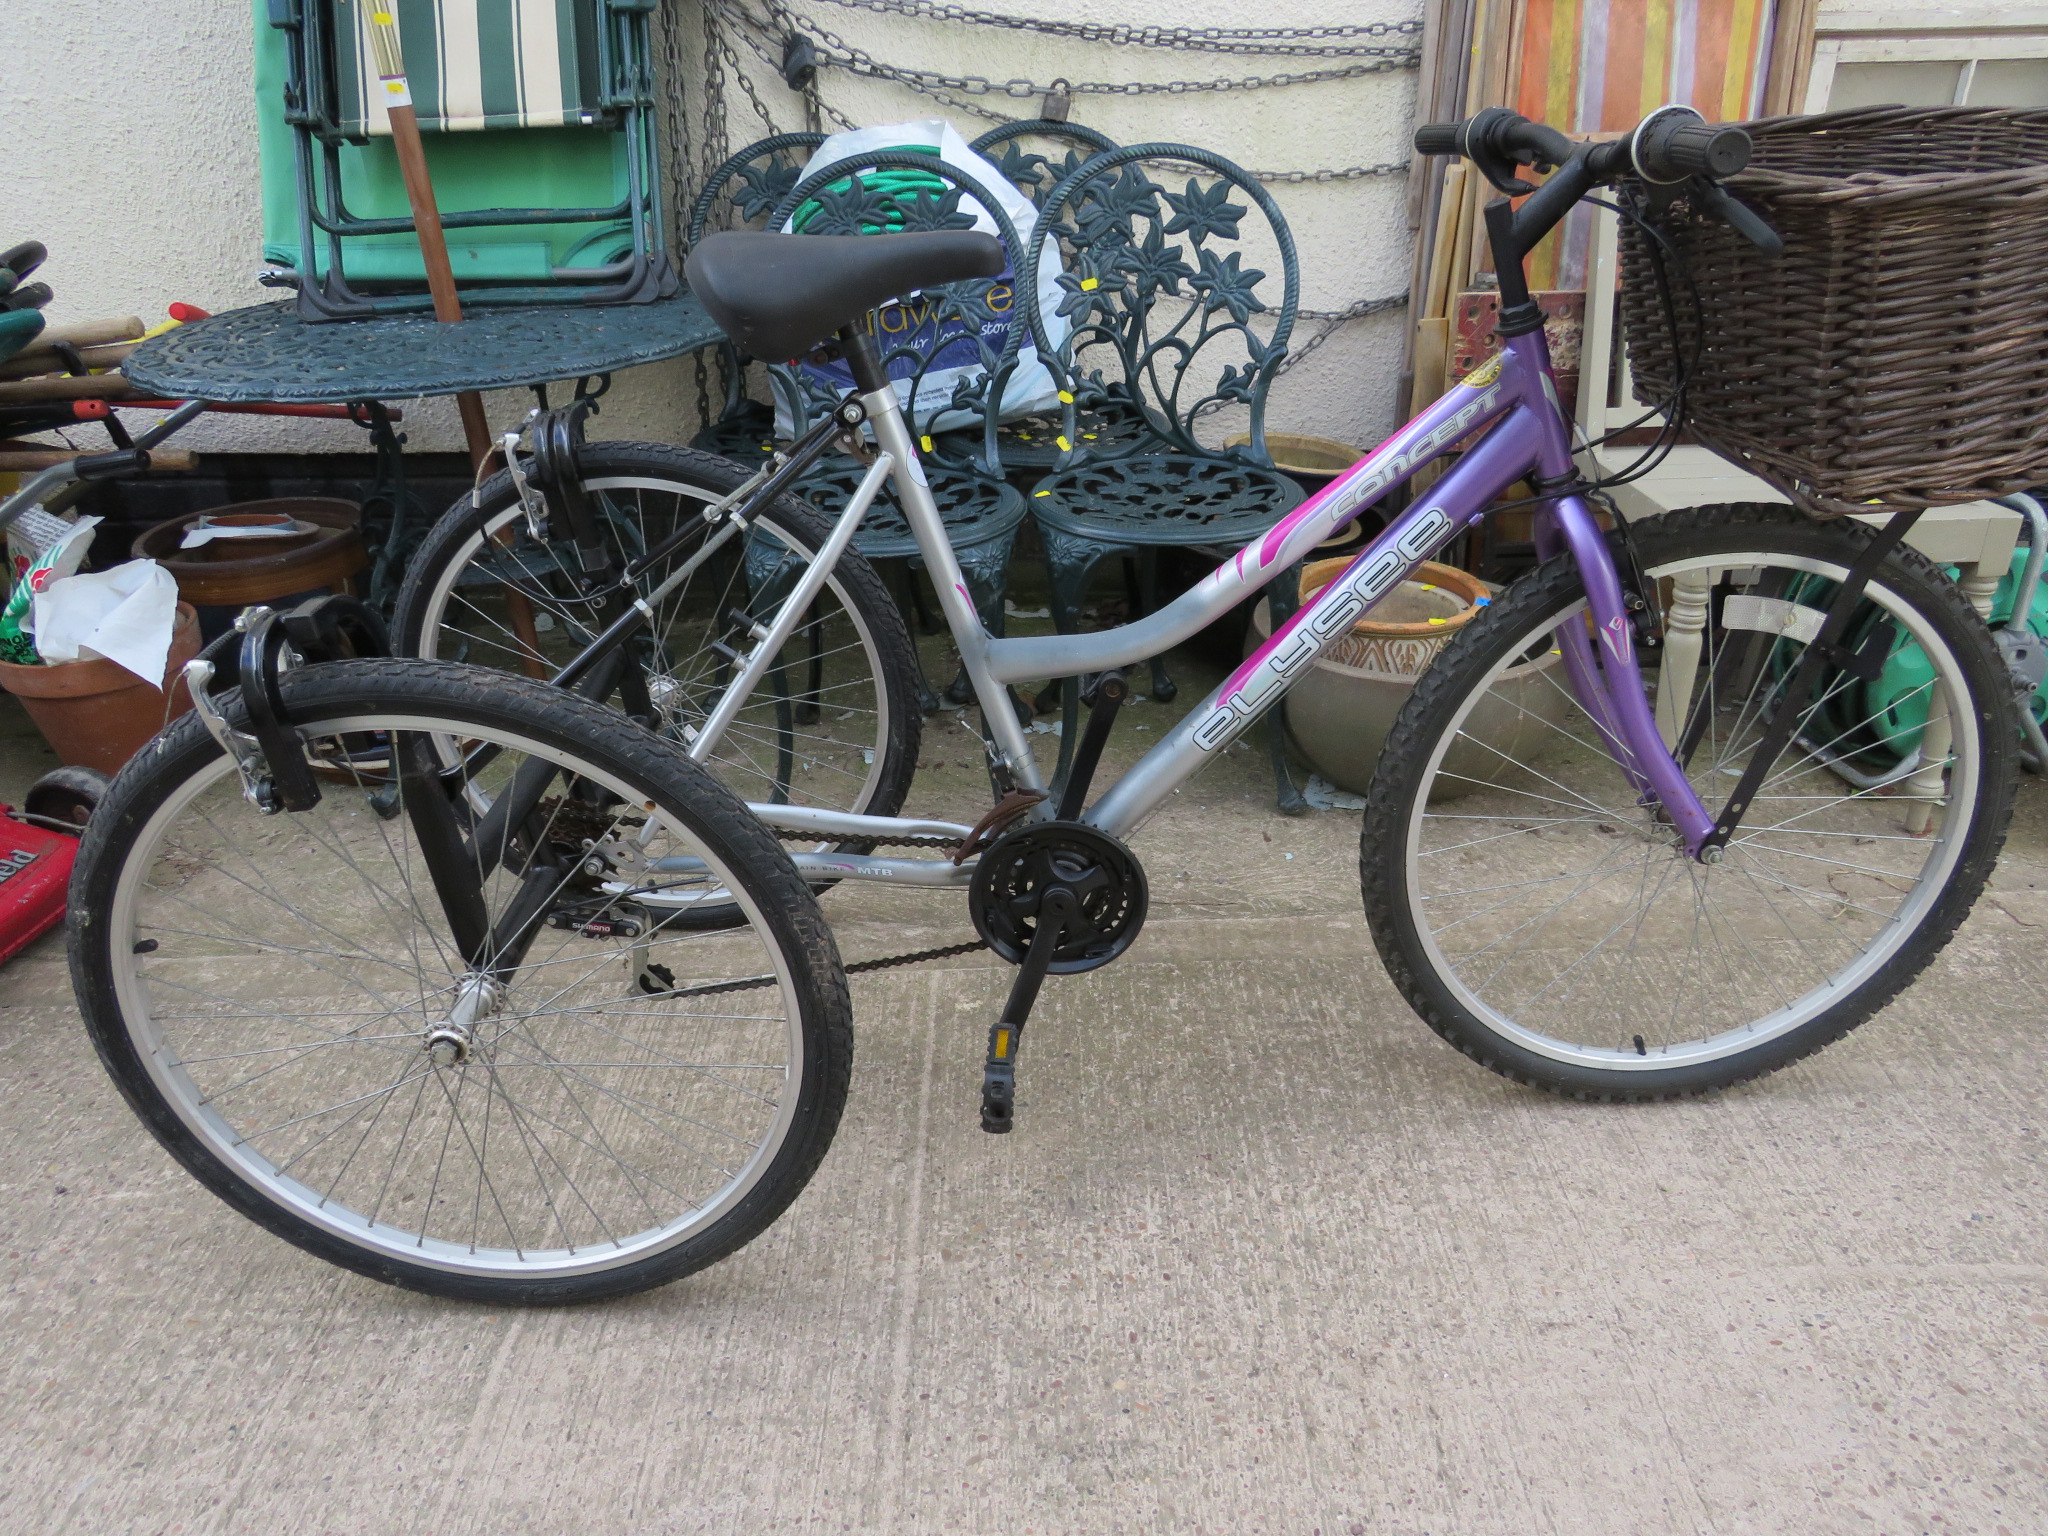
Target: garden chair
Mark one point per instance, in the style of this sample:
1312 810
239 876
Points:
1161 289
893 191
541 141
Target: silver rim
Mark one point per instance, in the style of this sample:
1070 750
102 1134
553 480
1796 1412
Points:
838 763
293 1010
1565 919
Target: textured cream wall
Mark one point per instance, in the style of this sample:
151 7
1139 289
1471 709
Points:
131 152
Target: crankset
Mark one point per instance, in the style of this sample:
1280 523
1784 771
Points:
1053 898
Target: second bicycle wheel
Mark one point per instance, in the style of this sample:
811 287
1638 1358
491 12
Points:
540 1089
1550 925
835 724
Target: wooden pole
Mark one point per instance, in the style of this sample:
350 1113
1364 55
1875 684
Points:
426 216
426 213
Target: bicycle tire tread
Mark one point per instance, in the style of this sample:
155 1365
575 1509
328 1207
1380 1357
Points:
477 696
1441 689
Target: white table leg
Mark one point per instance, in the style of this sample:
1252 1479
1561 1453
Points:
1676 674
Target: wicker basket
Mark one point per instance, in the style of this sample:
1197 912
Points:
1897 354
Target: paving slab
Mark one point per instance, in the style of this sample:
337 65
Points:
1263 1255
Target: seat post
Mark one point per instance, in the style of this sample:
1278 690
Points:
862 359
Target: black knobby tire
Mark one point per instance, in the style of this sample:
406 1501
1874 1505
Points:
471 699
1396 891
890 656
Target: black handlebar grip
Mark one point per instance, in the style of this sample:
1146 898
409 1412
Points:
1675 147
1440 139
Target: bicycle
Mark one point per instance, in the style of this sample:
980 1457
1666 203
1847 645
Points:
1584 870
1608 790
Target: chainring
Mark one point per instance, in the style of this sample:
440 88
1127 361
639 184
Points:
1010 880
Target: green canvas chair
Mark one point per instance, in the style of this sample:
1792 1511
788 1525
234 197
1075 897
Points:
539 124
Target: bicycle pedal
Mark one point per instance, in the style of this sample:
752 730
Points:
999 1081
998 1100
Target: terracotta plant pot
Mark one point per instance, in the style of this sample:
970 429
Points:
96 714
1339 714
232 574
292 534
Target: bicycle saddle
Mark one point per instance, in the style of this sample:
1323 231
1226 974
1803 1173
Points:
777 296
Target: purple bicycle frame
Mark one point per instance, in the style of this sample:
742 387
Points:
1516 398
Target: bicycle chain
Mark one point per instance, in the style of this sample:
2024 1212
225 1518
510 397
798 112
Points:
858 968
920 840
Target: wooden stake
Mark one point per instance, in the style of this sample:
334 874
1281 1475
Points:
426 217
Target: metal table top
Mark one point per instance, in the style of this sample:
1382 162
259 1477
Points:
266 352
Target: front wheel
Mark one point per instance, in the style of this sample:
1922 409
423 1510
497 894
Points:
603 1102
1550 925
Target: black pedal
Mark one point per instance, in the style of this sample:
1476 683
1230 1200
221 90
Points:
999 1082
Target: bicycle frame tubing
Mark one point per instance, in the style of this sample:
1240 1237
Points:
1516 406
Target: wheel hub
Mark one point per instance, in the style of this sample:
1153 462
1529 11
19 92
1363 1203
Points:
451 1041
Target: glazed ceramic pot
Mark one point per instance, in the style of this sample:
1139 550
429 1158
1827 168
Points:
1339 714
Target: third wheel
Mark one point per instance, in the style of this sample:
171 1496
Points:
835 723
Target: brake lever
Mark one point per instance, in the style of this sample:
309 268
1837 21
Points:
1745 221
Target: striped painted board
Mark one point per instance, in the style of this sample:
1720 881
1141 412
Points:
1591 66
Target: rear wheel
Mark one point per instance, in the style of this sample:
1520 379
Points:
835 723
284 1002
1552 927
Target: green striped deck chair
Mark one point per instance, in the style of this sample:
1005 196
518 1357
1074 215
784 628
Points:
539 123
476 64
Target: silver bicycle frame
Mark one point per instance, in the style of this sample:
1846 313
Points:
1512 400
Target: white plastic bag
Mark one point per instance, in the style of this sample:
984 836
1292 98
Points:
1030 388
126 615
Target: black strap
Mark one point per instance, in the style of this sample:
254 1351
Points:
1826 650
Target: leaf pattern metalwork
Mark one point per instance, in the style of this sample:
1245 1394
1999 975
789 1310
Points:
1204 211
1224 285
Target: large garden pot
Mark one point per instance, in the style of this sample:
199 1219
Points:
97 714
1339 714
224 577
1311 463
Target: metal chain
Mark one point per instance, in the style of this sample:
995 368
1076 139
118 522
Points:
1295 41
759 47
1349 173
746 81
919 841
858 968
836 50
1334 321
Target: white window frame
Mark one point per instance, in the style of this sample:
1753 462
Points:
1962 34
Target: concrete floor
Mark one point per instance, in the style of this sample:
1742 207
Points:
1263 1256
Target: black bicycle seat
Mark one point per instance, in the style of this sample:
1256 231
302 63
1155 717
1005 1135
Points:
777 296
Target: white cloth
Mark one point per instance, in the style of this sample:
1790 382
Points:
126 615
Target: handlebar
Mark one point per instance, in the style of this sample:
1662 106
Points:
1494 138
1674 143
1673 147
1670 145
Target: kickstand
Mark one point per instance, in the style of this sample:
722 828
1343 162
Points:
1056 909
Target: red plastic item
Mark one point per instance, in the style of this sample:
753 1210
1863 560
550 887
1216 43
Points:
35 870
184 313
